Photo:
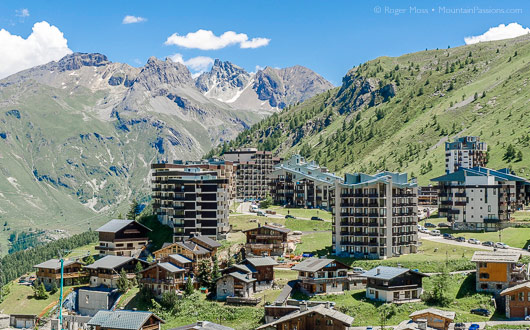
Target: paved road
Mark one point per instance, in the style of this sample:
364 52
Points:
440 239
482 325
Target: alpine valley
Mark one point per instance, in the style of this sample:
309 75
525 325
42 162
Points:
77 136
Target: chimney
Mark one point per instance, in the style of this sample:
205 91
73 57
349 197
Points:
200 323
328 304
399 265
248 276
377 271
303 306
422 324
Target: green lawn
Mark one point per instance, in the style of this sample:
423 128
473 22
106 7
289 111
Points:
242 222
522 216
514 237
364 311
317 243
20 300
83 251
302 213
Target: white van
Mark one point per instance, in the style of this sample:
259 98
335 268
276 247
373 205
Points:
435 232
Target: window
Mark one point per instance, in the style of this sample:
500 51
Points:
86 299
329 322
484 275
224 290
396 295
521 296
499 286
372 291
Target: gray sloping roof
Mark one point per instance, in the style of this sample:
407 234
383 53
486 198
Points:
127 320
320 309
262 261
116 225
208 240
515 288
170 267
385 272
166 244
242 277
180 258
435 311
496 256
314 264
388 273
204 325
245 268
193 247
54 264
109 262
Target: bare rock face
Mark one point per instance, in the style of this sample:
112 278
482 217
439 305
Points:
223 81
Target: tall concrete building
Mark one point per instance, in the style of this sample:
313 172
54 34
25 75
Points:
191 200
252 173
297 183
465 152
375 216
480 198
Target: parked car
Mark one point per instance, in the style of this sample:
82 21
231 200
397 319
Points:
448 236
473 241
501 245
480 311
527 318
474 326
261 214
288 216
488 243
460 239
358 270
430 225
460 326
435 232
444 225
317 218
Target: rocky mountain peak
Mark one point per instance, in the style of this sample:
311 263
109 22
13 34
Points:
75 61
224 76
165 74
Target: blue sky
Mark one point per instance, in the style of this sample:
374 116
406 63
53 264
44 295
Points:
329 37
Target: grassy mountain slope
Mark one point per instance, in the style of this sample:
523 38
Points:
396 113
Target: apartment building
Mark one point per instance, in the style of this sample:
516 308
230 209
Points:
120 237
191 200
498 270
465 152
375 216
225 169
297 183
252 173
428 195
480 198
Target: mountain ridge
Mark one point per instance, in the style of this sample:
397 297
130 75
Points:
77 136
394 113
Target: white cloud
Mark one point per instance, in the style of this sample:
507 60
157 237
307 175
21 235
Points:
133 19
500 32
197 64
24 12
207 40
45 44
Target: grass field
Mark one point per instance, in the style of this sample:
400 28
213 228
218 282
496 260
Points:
364 311
522 216
20 300
242 222
317 243
301 213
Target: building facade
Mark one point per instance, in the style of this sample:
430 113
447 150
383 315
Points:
480 198
266 240
311 318
375 216
517 300
49 272
436 318
322 275
252 173
106 271
428 195
498 270
164 277
465 152
191 200
394 284
122 238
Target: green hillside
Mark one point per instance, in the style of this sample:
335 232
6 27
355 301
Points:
395 113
